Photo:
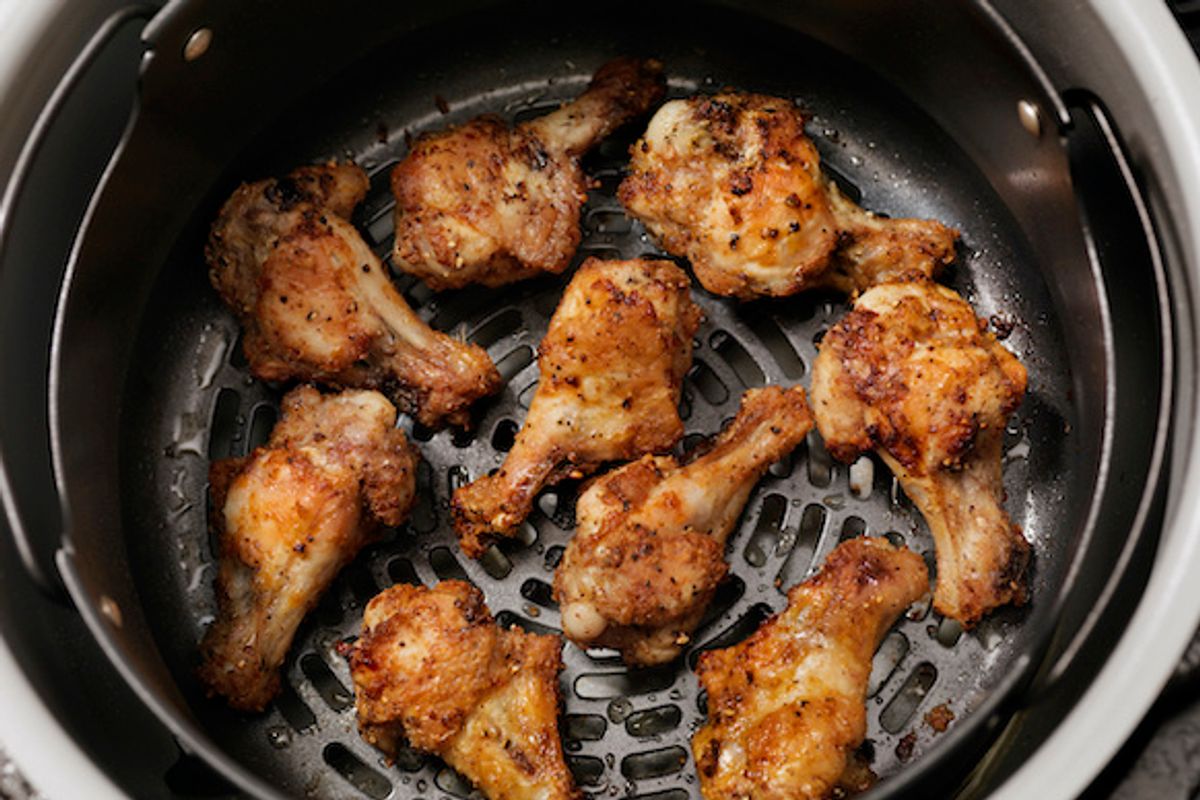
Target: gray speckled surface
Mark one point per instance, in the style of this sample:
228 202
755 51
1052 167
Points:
12 785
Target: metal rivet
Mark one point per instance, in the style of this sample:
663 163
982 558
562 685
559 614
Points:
1031 117
110 609
197 44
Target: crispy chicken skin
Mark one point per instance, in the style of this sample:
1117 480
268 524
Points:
649 549
787 706
912 373
434 668
289 517
318 305
485 203
612 366
732 183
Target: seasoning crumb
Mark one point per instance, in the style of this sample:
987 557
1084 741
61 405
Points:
1002 325
939 718
904 748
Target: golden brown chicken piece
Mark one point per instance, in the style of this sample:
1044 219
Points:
612 366
912 373
485 203
434 668
289 517
318 305
786 707
732 183
649 549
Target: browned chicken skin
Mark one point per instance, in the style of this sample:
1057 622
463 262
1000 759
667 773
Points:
289 517
786 707
612 366
318 305
732 183
912 373
649 550
483 203
434 668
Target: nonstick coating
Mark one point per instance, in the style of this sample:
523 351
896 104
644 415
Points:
190 398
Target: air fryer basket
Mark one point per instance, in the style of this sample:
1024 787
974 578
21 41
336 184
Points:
150 382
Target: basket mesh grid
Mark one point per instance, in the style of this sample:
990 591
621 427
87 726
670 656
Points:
626 732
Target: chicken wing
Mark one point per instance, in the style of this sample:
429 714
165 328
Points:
288 518
787 706
483 203
318 305
433 667
612 366
649 549
732 183
912 373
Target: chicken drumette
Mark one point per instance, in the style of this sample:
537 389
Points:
288 518
612 366
318 305
732 183
650 546
432 667
786 707
485 203
912 373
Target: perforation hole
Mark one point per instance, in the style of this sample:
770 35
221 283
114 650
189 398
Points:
362 582
455 307
744 626
808 535
513 362
504 324
603 220
446 566
538 592
223 429
711 388
584 727
606 685
848 187
766 530
401 570
852 528
533 111
820 465
743 365
325 682
418 294
457 477
525 396
654 764
495 563
904 704
783 467
504 435
777 344
891 652
294 710
451 782
423 518
588 770
653 721
729 591
949 631
356 773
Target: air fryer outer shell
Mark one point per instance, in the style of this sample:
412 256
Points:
1155 104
